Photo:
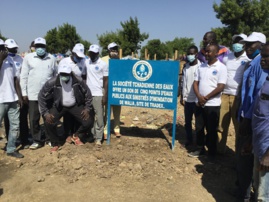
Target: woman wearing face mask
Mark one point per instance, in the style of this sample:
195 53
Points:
77 63
37 68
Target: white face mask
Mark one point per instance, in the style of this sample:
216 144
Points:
65 78
191 58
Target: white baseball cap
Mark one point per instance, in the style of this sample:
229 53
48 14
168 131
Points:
64 68
94 48
255 36
40 40
112 45
243 36
79 50
2 42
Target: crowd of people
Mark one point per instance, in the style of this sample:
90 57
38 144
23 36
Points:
218 86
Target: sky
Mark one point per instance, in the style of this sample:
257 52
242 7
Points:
25 20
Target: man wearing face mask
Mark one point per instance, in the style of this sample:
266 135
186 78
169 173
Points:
12 48
37 68
97 81
10 99
235 63
253 79
211 38
113 53
64 94
188 96
77 63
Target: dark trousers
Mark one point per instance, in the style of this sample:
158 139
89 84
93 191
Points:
189 110
24 129
207 118
244 163
70 124
75 111
34 118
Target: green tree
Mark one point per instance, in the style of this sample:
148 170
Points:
2 37
180 44
129 37
155 46
241 16
63 38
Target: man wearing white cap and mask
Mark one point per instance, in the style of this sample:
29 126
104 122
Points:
64 94
113 53
12 48
37 68
10 99
97 81
77 63
253 79
235 63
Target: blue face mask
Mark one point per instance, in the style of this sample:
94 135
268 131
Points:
237 47
64 78
257 51
191 58
40 51
76 59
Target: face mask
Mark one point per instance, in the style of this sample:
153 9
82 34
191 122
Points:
114 54
257 51
76 59
65 78
191 58
40 51
237 47
94 58
11 54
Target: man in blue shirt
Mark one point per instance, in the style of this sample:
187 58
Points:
260 126
253 78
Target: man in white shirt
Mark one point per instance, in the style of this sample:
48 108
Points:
37 68
10 94
12 48
97 81
113 53
77 63
209 82
188 96
235 63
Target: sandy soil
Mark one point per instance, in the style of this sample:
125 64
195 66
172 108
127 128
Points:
139 166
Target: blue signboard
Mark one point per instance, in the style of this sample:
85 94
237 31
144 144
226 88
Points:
147 84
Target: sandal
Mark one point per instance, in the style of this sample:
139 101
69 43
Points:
77 141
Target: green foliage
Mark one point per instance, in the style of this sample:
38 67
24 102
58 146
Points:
241 16
129 37
63 39
180 44
155 46
2 37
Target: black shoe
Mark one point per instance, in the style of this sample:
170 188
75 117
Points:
15 154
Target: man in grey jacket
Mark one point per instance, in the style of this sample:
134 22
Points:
64 94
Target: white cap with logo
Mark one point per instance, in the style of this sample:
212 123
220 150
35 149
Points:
94 48
256 36
40 40
64 68
79 50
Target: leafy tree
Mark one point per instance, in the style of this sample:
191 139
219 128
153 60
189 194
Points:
241 16
180 44
63 38
2 37
129 37
155 46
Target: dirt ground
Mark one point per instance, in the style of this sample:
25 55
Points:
139 166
